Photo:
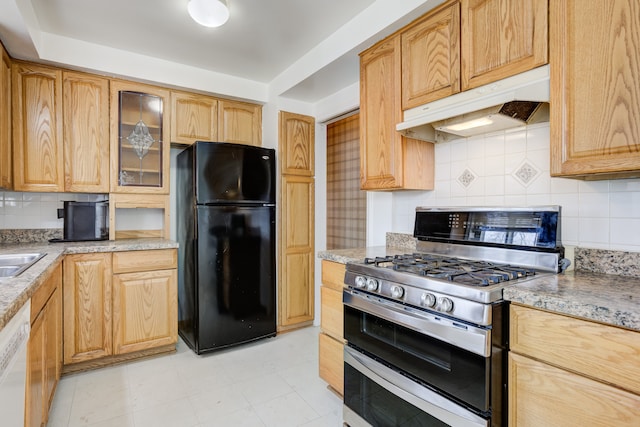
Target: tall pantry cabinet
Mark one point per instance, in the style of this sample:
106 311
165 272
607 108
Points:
296 247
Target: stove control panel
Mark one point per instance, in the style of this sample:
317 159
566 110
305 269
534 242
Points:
459 308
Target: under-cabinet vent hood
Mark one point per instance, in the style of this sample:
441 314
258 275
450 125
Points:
511 102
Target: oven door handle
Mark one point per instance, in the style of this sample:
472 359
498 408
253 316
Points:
471 338
410 391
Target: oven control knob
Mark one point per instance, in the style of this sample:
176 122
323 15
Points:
360 282
397 291
445 304
372 285
428 299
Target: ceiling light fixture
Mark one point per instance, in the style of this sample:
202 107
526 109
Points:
209 13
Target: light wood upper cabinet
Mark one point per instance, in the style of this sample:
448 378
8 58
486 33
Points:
502 38
388 160
86 133
142 110
560 365
297 152
37 128
239 122
87 307
193 118
595 89
6 161
431 56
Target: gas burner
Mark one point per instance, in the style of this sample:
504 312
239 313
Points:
468 272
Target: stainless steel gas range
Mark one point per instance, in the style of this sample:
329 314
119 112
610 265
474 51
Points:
427 331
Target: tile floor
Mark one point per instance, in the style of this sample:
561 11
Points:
272 382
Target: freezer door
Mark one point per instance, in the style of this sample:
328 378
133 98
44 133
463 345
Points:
236 275
234 174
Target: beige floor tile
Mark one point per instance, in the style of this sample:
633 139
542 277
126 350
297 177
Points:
271 382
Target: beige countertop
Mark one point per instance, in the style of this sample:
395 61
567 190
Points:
607 298
15 292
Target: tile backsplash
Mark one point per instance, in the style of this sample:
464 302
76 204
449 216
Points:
511 168
37 210
506 168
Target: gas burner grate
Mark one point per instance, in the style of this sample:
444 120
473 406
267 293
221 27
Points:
468 272
377 261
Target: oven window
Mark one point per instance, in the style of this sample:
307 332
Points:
460 374
379 407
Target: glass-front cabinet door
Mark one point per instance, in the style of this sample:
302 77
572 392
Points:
139 138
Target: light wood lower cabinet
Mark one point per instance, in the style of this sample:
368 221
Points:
566 371
331 339
144 314
119 306
87 307
44 350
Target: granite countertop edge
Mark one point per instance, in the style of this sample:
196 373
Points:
606 298
15 292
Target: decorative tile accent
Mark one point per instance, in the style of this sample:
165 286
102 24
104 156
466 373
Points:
526 173
466 178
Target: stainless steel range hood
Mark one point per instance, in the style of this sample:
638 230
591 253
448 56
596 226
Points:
511 102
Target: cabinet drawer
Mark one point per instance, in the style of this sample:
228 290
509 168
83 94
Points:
331 360
543 395
333 274
606 353
331 312
132 261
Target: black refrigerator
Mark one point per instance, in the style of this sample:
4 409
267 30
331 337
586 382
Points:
225 206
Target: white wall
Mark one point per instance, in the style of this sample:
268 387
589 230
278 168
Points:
595 214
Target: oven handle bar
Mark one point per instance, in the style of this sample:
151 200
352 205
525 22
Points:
419 396
475 340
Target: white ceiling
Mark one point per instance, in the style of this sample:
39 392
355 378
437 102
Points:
262 39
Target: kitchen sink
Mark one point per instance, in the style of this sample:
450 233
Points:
12 265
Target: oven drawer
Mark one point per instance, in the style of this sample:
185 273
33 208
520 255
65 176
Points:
606 353
381 396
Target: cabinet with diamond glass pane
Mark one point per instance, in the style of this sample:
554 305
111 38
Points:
139 138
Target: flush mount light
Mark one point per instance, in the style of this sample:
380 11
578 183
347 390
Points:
209 13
